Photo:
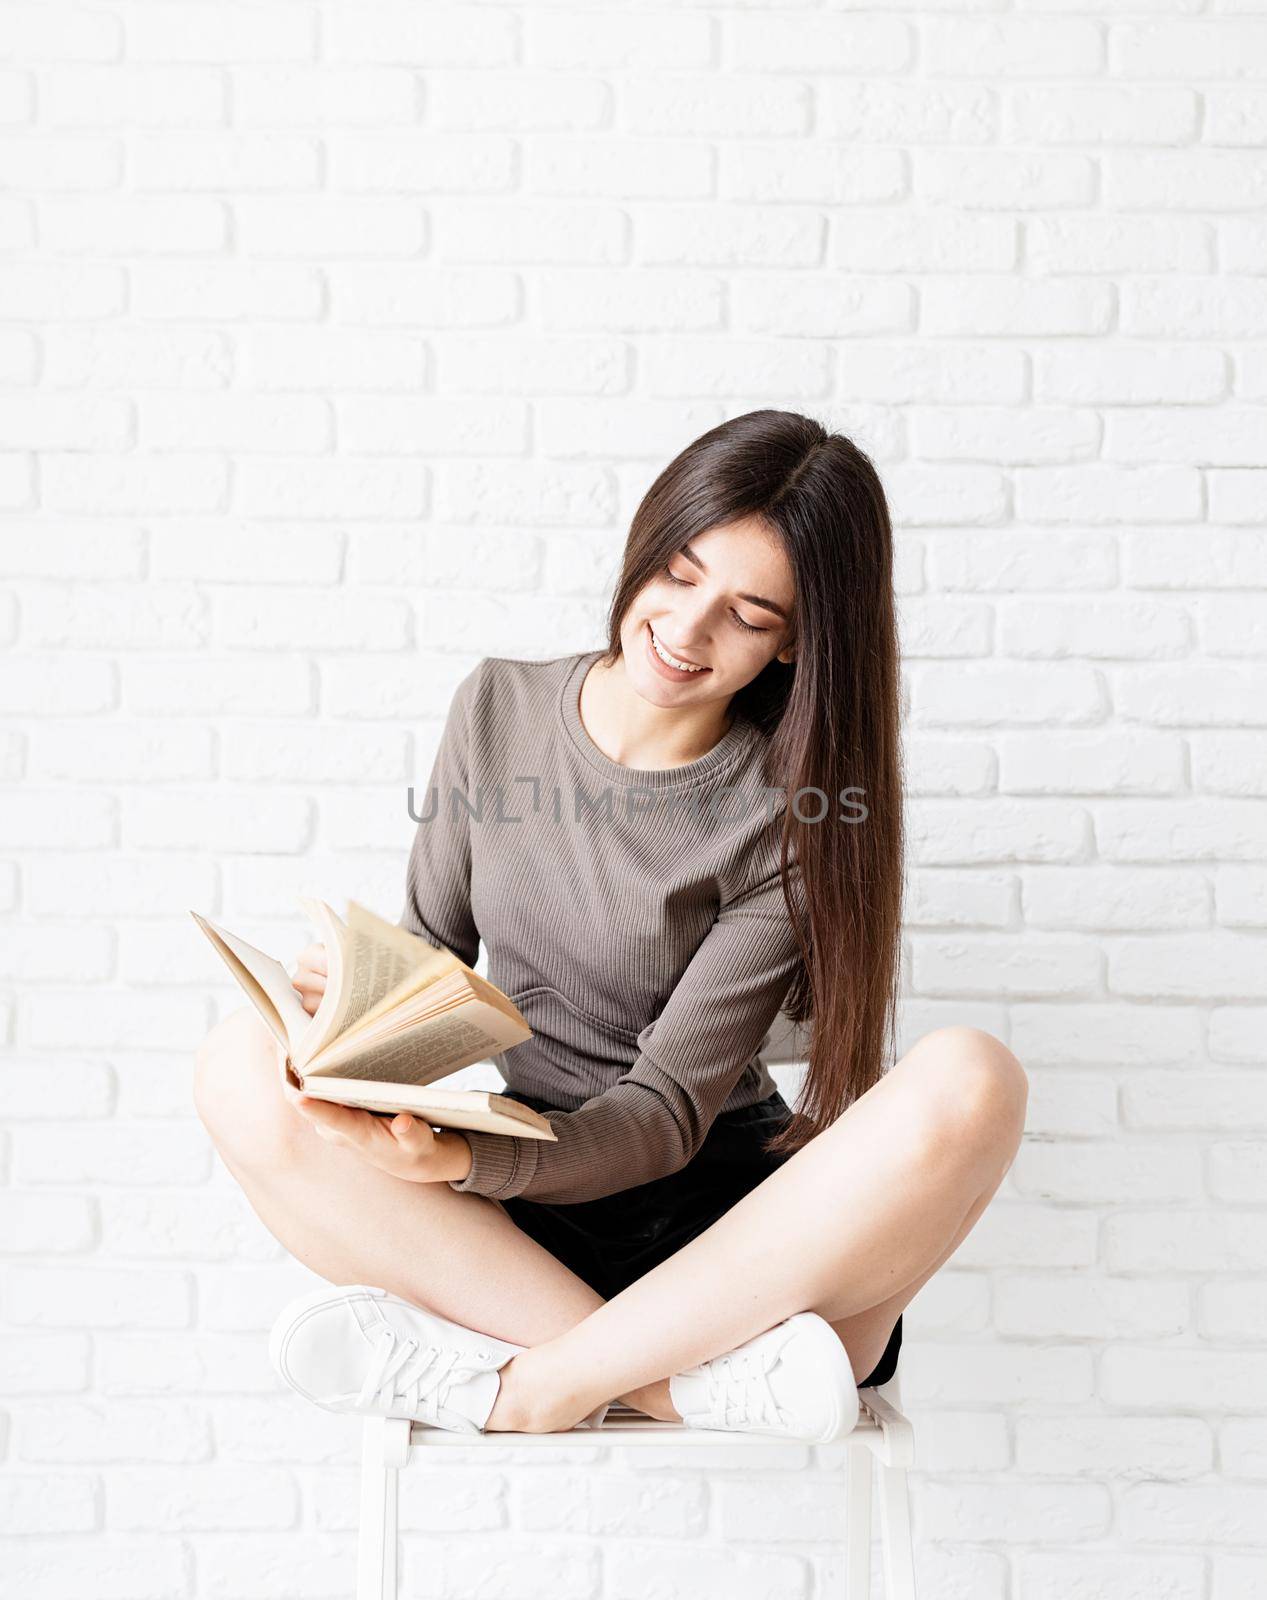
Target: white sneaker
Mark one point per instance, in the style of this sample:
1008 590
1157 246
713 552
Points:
359 1348
793 1381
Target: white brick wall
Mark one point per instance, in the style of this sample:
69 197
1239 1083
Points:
338 342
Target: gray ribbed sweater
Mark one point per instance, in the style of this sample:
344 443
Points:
634 915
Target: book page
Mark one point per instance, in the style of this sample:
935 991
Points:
379 970
503 1023
429 963
424 1051
265 982
332 935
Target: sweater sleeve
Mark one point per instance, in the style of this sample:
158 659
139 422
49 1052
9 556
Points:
438 878
654 1119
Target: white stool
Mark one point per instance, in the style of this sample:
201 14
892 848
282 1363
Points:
883 1443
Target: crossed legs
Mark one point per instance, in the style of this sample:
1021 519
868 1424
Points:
851 1226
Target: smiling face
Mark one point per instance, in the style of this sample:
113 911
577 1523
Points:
716 607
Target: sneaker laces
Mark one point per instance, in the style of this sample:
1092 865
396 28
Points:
406 1374
739 1391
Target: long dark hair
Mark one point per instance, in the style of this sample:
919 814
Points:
831 717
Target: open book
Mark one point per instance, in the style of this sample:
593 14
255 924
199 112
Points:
397 1014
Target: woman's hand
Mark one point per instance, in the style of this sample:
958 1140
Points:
405 1146
311 971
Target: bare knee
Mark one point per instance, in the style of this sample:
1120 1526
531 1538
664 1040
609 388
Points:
237 1090
968 1086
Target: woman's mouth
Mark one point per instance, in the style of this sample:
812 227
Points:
665 661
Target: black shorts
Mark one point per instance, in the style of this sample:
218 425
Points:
612 1241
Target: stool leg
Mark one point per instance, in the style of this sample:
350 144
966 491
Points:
381 1456
895 1533
858 1548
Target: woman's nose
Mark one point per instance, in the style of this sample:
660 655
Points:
692 625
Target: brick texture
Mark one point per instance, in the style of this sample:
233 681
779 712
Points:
338 343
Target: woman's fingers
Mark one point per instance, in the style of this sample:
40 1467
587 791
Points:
345 1123
339 1124
310 991
399 1144
313 957
327 1116
411 1134
310 976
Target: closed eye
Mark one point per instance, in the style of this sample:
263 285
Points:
735 617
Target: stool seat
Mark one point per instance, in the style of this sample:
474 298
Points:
880 1446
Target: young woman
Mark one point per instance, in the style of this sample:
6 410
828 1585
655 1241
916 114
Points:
661 845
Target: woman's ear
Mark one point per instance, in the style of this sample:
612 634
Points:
786 655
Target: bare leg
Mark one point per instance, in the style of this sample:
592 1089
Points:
457 1254
851 1227
868 1331
346 1220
